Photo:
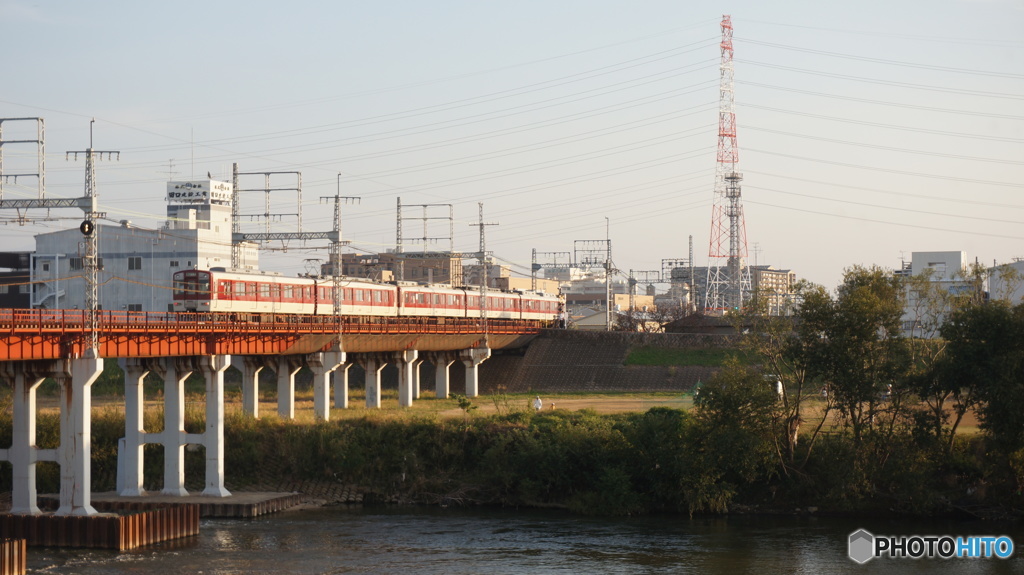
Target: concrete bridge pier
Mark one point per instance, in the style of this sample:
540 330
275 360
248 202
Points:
250 367
74 455
472 358
174 436
442 360
406 360
75 378
339 379
416 377
322 365
174 439
133 455
212 368
373 366
287 367
23 453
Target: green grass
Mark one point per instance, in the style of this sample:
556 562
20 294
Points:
665 356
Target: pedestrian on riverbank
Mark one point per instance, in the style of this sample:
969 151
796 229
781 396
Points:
538 404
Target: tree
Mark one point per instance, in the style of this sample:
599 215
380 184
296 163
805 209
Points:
732 440
773 340
984 361
854 343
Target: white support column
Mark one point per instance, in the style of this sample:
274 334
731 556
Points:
416 363
472 358
213 367
442 386
287 367
250 366
75 451
133 455
174 426
373 368
405 360
323 365
340 380
23 452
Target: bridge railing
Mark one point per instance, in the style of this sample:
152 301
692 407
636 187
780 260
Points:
75 321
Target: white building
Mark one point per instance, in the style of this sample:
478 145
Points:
928 303
136 263
1006 282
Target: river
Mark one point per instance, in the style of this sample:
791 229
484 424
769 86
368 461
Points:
415 540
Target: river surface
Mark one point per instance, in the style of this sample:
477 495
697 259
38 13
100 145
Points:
412 540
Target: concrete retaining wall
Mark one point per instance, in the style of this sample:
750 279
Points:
567 361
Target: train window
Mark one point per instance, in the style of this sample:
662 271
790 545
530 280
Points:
275 291
264 290
225 288
377 296
204 285
287 292
437 299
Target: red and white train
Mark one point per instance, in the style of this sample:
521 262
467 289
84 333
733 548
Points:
222 291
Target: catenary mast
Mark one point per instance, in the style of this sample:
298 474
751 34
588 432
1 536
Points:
728 282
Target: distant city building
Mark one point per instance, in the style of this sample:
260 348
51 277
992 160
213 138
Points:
439 267
592 293
473 274
774 288
136 264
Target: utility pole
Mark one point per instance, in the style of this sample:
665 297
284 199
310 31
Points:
608 276
88 228
484 267
334 256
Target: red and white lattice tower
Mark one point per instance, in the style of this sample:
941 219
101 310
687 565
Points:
728 283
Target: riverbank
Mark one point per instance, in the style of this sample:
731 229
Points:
644 454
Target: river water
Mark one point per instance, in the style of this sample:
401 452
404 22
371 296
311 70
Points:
413 540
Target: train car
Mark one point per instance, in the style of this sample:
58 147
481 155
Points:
255 293
241 293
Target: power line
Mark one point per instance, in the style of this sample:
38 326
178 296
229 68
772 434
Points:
900 224
880 147
885 61
891 171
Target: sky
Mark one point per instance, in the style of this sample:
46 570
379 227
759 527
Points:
866 131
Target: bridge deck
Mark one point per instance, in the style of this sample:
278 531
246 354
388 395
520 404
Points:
54 334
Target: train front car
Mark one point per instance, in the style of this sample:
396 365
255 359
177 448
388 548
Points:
191 291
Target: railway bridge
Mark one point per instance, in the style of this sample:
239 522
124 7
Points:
61 344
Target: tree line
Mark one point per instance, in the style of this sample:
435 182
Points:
884 368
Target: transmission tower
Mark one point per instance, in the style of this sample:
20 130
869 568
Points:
728 283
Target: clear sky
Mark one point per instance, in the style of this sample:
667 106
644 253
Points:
867 130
